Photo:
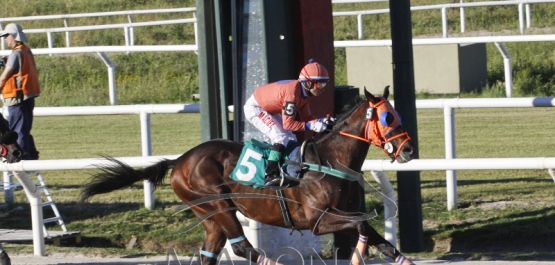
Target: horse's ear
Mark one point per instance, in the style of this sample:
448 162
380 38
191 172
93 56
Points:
369 95
386 92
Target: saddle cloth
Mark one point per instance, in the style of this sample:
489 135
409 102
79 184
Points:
251 165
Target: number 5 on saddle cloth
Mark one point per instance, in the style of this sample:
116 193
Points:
251 165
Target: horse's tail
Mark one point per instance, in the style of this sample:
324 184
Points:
120 175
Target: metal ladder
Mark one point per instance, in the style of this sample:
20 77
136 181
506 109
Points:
48 201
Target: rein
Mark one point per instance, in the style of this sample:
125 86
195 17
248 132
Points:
380 140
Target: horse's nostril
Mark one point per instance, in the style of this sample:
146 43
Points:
16 154
407 150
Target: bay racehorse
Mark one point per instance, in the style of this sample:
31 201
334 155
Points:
320 202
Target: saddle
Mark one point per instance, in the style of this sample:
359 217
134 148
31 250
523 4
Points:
251 165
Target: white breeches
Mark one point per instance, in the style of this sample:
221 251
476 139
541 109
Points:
269 125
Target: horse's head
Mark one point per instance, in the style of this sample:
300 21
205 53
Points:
384 128
9 149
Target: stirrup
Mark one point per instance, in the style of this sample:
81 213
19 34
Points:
273 180
278 182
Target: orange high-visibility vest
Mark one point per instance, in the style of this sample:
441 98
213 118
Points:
27 73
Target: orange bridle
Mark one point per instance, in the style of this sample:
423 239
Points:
375 133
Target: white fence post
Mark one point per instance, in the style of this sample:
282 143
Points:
131 31
390 207
528 18
450 175
508 69
444 21
50 40
195 25
2 38
35 199
360 27
521 17
147 151
8 189
463 20
111 76
66 24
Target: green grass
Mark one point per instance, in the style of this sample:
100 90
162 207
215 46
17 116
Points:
494 207
500 212
108 222
171 77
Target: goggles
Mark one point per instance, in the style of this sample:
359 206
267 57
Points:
320 84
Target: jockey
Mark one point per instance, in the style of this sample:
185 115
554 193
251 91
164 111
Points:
281 108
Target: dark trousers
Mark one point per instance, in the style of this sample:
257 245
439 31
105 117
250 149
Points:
21 121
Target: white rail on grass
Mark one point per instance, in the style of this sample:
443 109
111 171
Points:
128 28
523 13
101 52
497 40
450 164
147 159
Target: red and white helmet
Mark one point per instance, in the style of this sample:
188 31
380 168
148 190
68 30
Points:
314 72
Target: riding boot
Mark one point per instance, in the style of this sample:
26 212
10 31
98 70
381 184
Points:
273 173
293 168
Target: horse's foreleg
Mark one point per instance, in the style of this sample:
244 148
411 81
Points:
334 221
383 247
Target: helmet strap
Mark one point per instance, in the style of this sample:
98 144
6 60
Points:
305 90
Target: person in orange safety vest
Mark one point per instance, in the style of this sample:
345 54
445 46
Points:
20 85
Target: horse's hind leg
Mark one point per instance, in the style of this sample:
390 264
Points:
213 243
236 236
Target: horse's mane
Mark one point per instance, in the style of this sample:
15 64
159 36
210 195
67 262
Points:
344 114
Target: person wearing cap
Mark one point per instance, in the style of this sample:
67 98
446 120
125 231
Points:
20 85
278 109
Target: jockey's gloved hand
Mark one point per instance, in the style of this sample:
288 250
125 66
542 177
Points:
316 126
329 120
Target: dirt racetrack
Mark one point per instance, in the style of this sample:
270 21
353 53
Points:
68 259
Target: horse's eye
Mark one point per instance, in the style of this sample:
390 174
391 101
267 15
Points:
386 118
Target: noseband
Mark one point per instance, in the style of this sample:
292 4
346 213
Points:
373 134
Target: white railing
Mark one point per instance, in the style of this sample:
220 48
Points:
523 13
497 40
143 111
101 52
450 164
449 129
127 27
147 159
